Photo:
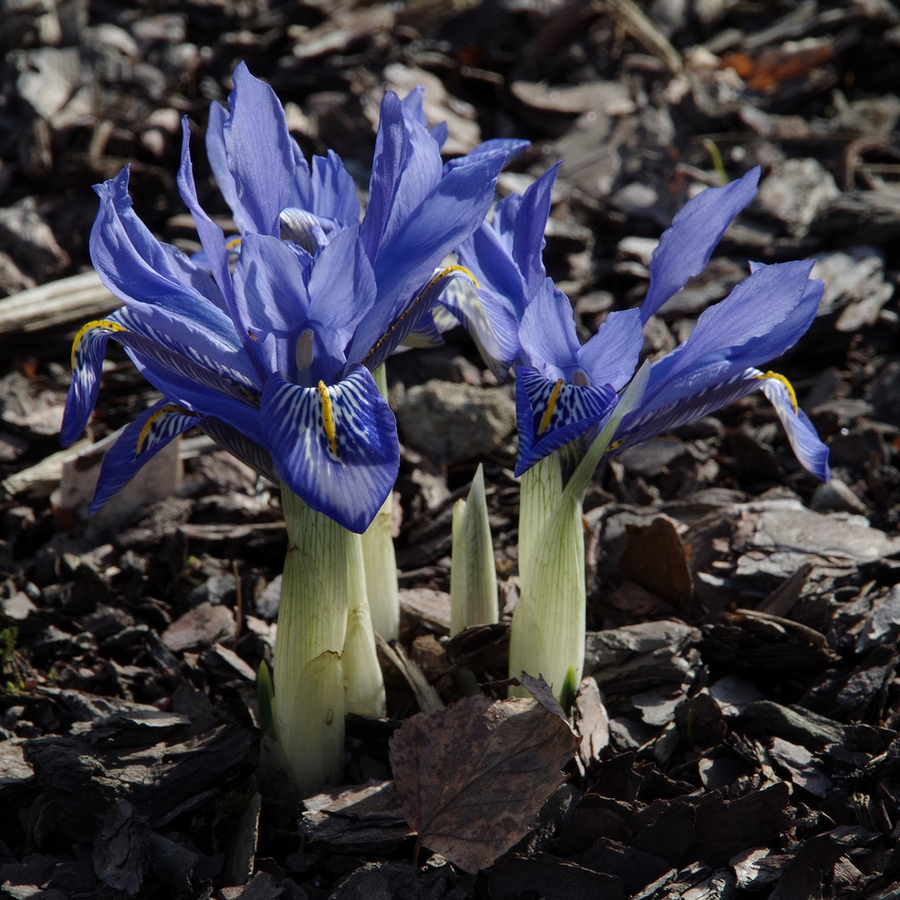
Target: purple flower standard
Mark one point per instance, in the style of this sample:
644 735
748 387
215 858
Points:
274 361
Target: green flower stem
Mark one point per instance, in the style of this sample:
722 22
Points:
325 660
473 572
312 625
548 627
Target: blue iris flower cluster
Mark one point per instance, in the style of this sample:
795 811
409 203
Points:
268 340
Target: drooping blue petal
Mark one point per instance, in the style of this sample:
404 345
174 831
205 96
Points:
612 354
491 326
178 372
761 318
335 446
551 414
139 441
805 442
686 246
489 258
260 151
547 333
808 448
88 352
651 419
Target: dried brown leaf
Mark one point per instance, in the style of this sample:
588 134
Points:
472 776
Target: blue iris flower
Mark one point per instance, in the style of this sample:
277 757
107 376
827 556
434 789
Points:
268 340
565 391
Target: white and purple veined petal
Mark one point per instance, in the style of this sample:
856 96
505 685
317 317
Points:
551 414
804 440
490 324
642 424
175 370
248 451
335 446
139 441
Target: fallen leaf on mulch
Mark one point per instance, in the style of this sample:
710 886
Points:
471 777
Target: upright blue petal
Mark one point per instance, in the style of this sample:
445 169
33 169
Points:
547 333
211 236
685 248
447 216
528 234
260 151
218 162
612 354
335 446
333 191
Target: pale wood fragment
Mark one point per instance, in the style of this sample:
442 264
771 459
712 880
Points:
75 299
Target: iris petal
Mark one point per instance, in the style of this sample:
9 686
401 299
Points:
333 190
139 441
807 446
510 147
492 327
805 442
88 351
760 319
611 355
686 246
547 333
551 414
176 371
259 150
335 446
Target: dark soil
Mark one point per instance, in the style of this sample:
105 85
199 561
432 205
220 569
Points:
744 618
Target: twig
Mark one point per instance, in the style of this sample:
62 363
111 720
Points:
79 297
